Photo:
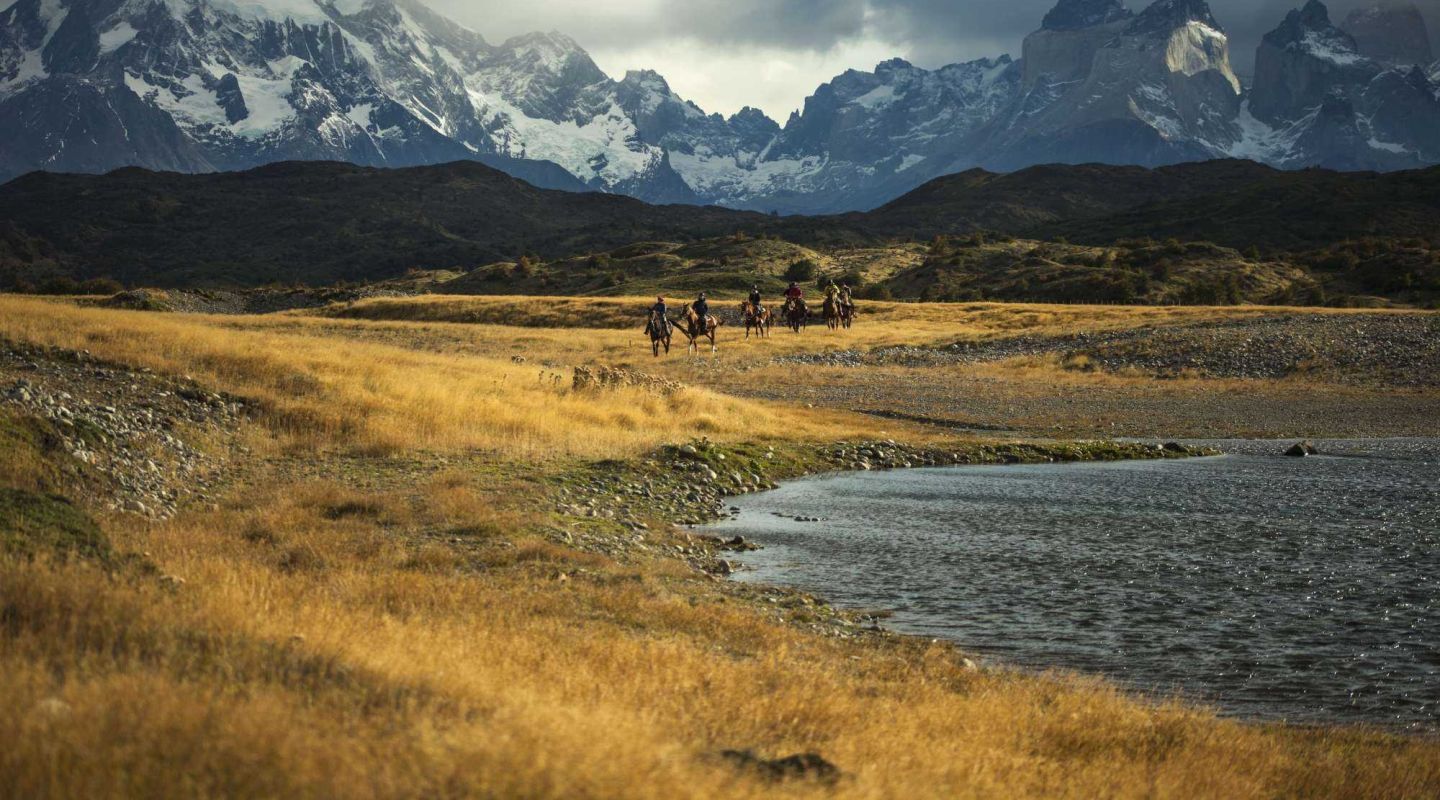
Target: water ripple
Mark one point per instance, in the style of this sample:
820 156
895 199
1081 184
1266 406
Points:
1301 589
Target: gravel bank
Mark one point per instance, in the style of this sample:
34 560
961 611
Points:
129 427
1388 349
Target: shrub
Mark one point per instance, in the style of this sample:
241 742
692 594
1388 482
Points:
802 270
106 286
60 285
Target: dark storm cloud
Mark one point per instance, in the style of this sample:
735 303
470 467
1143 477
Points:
937 31
804 24
930 32
773 53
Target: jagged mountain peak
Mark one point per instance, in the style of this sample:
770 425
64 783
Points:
1309 30
1164 16
1393 31
893 65
647 79
549 43
1070 15
751 116
1314 14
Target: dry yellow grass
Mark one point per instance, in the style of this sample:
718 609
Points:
425 640
313 654
613 326
324 390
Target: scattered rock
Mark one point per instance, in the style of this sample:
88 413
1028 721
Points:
121 422
803 766
1302 450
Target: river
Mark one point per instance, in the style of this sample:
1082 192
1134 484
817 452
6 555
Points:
1306 590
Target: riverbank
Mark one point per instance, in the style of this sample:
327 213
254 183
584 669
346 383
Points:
1275 587
418 565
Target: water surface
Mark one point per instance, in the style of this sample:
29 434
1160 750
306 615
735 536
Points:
1298 589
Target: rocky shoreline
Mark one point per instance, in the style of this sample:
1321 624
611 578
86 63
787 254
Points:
615 508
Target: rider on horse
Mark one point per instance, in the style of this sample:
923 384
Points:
832 293
661 313
847 297
794 296
756 307
701 307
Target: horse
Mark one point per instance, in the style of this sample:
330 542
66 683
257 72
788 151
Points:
758 322
797 315
696 328
833 313
847 315
659 330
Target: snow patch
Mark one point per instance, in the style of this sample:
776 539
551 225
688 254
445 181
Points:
360 114
301 12
266 98
909 161
1389 147
606 146
879 97
117 37
1260 142
52 14
31 67
1326 46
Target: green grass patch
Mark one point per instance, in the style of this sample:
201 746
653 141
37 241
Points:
34 524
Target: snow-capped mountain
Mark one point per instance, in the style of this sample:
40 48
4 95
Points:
861 139
194 85
199 85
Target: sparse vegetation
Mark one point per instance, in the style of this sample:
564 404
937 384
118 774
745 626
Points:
401 592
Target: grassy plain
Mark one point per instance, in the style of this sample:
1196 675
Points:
383 600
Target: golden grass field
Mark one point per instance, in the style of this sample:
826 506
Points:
373 608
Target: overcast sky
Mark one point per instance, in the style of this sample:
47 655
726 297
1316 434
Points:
726 54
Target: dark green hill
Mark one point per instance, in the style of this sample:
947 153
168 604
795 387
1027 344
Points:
315 223
322 223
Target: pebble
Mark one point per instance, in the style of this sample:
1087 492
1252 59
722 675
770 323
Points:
117 421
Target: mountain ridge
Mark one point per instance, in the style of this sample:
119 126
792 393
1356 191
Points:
319 223
88 85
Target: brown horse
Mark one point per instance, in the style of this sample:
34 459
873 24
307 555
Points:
847 314
833 313
696 329
797 315
757 322
659 330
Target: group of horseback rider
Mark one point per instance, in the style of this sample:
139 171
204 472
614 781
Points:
839 296
838 304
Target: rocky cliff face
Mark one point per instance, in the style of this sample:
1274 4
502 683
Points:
1151 89
1325 103
1392 32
